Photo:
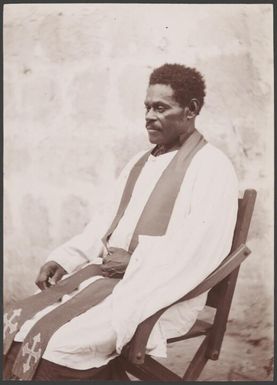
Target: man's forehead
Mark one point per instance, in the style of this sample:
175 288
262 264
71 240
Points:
160 92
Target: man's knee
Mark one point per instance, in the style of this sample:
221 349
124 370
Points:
50 371
47 371
9 359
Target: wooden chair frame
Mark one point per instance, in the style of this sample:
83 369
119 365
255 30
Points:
221 285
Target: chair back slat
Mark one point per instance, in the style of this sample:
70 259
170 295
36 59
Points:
220 296
245 211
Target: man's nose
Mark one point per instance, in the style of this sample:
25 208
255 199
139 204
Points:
150 115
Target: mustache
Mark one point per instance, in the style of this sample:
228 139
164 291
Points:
152 126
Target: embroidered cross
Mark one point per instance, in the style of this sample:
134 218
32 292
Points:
9 325
31 352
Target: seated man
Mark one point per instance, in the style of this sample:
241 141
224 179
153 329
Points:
171 224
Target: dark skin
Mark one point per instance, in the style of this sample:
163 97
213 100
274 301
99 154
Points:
168 125
50 273
115 263
114 266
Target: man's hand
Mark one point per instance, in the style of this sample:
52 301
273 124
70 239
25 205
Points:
115 263
50 270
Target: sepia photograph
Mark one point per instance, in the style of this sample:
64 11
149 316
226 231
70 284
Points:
138 192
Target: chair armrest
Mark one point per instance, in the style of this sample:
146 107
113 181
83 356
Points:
134 351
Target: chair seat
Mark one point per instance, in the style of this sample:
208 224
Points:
199 328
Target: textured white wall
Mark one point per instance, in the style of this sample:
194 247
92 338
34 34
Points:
75 76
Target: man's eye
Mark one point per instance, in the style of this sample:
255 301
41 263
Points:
160 108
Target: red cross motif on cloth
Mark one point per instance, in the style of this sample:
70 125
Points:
9 325
31 352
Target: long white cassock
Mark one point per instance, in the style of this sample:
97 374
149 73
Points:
162 268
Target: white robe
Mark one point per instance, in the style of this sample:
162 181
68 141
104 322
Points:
162 268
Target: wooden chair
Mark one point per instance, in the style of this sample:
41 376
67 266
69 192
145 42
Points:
221 285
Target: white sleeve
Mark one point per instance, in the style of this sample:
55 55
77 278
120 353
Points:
199 236
87 246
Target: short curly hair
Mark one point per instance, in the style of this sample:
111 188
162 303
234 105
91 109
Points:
187 83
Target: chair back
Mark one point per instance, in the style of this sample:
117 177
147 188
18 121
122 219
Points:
220 296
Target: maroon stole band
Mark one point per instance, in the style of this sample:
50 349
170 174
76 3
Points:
156 214
21 311
36 341
127 194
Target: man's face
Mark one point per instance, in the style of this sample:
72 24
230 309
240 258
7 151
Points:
165 118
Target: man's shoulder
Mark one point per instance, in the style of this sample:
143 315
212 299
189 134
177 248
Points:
213 153
211 156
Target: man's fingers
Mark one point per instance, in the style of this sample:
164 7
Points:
45 284
107 271
110 263
105 268
111 267
42 280
112 249
39 285
57 276
107 264
112 273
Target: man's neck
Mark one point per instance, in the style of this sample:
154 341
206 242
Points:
164 148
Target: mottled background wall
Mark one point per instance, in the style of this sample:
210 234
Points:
74 83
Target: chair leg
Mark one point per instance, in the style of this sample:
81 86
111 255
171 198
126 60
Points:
136 371
198 362
151 370
118 371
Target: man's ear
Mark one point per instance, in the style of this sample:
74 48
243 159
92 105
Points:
192 109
